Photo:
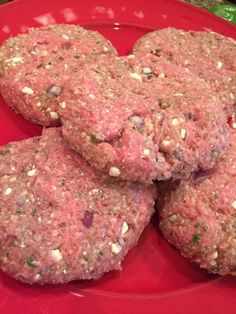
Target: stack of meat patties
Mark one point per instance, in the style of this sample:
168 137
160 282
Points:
122 133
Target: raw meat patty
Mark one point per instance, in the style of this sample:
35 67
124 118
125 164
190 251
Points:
138 129
207 54
198 216
60 220
35 66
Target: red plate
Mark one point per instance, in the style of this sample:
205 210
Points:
155 278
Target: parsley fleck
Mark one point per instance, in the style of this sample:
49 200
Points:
31 262
86 257
94 139
196 238
140 130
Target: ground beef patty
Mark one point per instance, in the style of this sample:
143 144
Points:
60 220
35 66
207 54
138 129
198 216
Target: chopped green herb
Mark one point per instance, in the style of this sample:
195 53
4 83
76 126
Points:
214 153
140 130
31 262
94 139
196 238
86 257
18 213
152 109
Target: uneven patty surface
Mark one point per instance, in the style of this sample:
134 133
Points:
207 54
60 220
35 66
138 129
198 216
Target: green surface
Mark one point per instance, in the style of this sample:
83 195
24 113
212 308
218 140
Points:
206 4
227 12
221 8
3 1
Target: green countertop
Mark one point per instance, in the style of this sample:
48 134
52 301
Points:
206 4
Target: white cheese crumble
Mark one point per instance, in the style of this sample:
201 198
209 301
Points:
17 59
56 254
124 228
63 104
37 276
27 90
14 60
178 94
115 248
8 191
114 172
91 96
219 65
234 204
183 133
231 95
173 218
64 36
53 115
44 53
162 75
136 76
214 255
165 142
147 70
47 66
177 121
31 172
146 151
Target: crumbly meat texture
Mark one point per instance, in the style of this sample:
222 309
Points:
34 67
198 215
207 54
60 220
139 129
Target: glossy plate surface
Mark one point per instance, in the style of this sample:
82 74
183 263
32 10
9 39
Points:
155 278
